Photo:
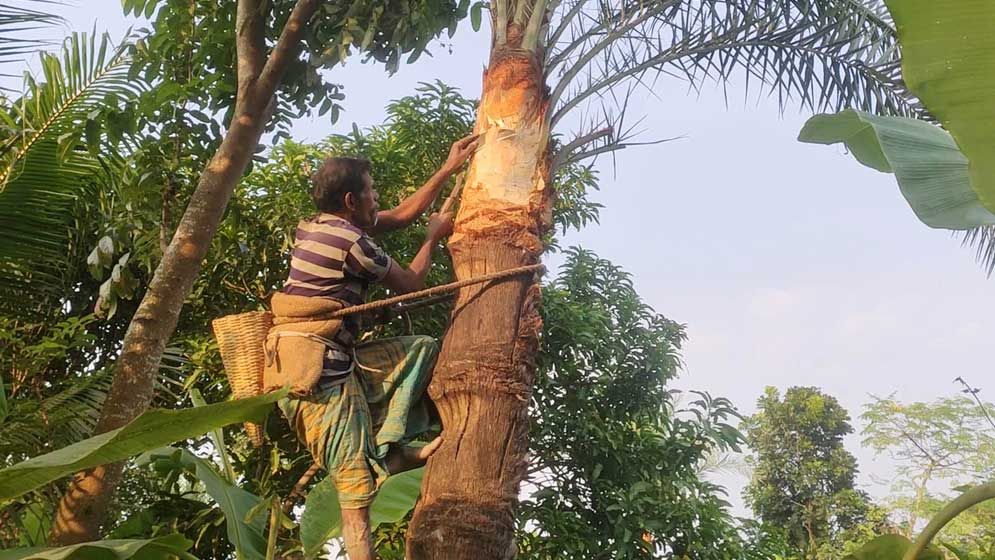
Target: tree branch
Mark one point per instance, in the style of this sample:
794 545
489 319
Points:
287 47
612 147
564 23
250 42
564 152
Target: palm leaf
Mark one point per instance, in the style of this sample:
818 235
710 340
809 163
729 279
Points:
16 22
33 427
64 418
45 166
983 240
822 54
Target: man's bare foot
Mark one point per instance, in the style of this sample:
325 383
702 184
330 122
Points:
402 458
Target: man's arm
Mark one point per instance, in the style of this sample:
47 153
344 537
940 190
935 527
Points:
403 280
413 206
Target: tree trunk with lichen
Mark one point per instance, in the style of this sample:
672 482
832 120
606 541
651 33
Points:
483 380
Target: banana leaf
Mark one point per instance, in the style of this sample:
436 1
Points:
169 547
932 172
948 61
153 429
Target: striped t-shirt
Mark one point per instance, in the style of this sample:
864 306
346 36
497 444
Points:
333 258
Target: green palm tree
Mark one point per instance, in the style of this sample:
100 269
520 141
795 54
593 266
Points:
54 151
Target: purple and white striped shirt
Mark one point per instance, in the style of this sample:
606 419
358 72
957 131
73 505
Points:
335 259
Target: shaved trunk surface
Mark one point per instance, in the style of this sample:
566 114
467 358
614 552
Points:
483 381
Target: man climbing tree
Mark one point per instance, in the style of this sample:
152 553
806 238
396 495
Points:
355 406
267 81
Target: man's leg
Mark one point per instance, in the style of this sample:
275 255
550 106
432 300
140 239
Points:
356 534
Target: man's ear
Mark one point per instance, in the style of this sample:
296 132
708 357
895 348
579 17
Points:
349 201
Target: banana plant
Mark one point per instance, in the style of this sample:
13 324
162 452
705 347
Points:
149 431
169 547
945 167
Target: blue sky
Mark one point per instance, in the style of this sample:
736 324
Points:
789 263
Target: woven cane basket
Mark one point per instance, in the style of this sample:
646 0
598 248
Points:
241 338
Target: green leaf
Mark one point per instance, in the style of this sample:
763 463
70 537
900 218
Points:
168 547
397 497
217 438
891 547
248 537
948 61
960 553
932 173
322 518
475 15
151 430
36 523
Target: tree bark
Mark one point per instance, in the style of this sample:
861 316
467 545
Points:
82 508
483 382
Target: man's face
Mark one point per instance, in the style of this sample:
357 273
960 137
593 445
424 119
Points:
365 206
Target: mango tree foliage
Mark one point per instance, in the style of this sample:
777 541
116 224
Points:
614 472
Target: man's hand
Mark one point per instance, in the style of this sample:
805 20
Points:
440 226
403 280
460 151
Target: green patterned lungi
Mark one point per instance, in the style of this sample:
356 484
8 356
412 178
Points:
349 428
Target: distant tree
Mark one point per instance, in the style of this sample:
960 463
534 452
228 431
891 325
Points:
803 478
948 440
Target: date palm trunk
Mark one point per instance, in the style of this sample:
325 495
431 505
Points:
483 380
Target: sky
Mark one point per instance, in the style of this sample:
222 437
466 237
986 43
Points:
790 264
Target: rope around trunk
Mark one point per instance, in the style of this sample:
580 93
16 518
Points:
443 289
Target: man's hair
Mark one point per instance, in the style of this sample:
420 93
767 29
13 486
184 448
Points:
336 177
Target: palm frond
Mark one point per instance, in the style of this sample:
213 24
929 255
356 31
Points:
825 54
33 427
66 417
983 240
16 23
54 146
